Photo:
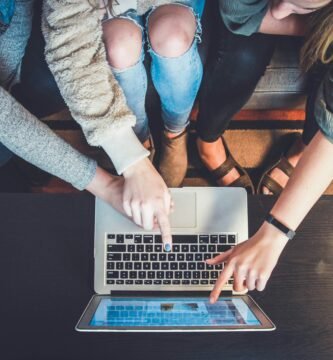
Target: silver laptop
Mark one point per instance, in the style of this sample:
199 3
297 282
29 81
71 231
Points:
142 288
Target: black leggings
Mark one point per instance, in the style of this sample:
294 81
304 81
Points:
234 69
37 90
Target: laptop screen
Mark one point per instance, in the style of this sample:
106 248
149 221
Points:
173 312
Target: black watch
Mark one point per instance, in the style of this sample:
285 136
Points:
284 229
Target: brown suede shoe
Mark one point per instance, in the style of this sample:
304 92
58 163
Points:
173 160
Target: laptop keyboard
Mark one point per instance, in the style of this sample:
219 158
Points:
141 260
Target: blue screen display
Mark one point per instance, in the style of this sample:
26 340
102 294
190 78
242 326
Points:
159 312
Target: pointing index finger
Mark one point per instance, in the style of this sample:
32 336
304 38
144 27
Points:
225 275
164 225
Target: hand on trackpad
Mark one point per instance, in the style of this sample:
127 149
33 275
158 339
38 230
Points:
185 210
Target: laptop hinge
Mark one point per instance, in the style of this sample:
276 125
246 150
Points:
118 293
226 293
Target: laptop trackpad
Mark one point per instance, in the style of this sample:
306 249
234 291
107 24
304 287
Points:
185 211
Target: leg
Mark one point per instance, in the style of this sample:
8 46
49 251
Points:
234 69
123 41
37 90
176 65
176 73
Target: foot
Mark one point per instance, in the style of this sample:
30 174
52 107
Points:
173 160
294 155
213 155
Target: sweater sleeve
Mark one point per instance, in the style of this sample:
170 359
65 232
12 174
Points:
33 141
76 56
243 17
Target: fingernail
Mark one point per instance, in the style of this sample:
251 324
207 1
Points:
212 299
167 247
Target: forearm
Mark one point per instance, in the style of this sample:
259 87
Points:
33 141
310 179
293 25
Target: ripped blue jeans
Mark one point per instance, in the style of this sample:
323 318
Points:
177 80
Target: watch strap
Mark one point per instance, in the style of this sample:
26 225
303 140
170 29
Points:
283 228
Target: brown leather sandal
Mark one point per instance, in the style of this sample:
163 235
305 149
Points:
243 181
272 185
282 164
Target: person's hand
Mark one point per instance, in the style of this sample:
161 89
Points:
147 199
251 262
108 188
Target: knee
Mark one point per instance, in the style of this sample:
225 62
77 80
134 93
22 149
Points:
123 42
171 30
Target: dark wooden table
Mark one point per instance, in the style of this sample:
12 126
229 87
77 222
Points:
46 279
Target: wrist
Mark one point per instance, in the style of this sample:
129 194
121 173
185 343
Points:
100 181
138 167
272 234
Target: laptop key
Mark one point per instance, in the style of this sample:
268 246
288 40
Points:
140 248
223 239
219 267
189 257
169 274
155 265
135 257
214 239
191 266
114 257
171 257
214 274
128 266
165 266
178 275
174 266
144 257
194 282
137 239
157 282
212 248
138 282
205 274
198 257
203 248
148 282
204 239
120 282
204 282
149 248
180 257
129 282
184 239
160 274
223 248
142 274
146 266
110 266
120 239
187 274
153 257
185 282
158 248
196 274
116 248
112 274
175 282
151 274
119 266
166 282
183 266
137 266
185 248
148 239
129 236
111 236
200 265
126 257
110 282
162 257
207 256
194 248
209 267
212 282
158 239
175 248
130 248
133 275
124 274
231 239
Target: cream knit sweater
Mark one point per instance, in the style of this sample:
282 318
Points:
76 55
